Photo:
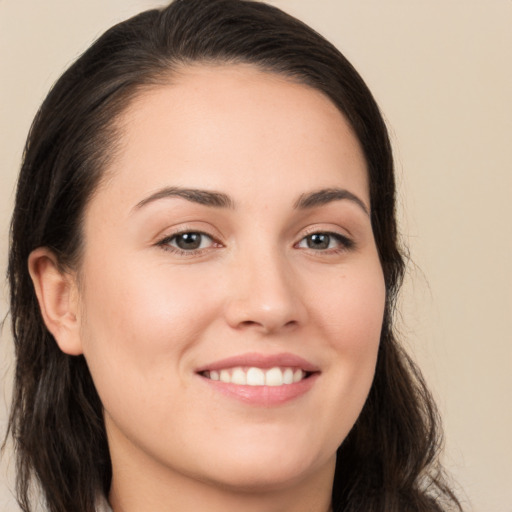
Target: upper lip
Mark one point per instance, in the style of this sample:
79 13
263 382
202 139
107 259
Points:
263 361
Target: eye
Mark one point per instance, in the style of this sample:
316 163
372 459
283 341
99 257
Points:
187 241
325 241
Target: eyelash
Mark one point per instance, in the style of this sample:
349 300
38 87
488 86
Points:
165 243
344 243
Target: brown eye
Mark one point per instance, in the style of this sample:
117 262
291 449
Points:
188 241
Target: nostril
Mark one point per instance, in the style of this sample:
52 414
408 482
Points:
267 326
248 323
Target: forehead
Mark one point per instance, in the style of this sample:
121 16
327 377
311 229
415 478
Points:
213 125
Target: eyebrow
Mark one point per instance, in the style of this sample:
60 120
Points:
328 195
204 197
221 200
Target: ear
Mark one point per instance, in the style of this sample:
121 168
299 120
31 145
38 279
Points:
57 293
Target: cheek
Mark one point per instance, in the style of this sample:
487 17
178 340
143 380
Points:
352 309
139 331
352 315
362 315
137 325
152 299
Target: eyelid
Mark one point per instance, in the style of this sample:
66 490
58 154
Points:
176 235
205 228
163 240
346 241
326 227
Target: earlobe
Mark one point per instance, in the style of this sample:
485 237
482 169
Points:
57 295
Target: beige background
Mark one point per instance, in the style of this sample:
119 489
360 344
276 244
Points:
442 73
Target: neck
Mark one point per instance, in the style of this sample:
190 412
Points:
220 501
166 491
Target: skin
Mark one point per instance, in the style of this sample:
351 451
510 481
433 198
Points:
147 316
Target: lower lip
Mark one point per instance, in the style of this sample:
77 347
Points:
264 396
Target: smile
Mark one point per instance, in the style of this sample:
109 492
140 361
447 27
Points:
261 380
254 376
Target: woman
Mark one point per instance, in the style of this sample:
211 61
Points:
203 269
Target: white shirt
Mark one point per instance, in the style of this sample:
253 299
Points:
102 504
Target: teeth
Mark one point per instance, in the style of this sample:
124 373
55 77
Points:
257 377
274 377
238 376
297 375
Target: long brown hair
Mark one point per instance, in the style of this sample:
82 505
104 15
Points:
388 462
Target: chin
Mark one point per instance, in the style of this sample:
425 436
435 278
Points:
267 472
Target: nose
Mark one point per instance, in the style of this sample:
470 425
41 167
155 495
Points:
264 295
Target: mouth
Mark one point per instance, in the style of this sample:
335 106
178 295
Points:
261 379
255 376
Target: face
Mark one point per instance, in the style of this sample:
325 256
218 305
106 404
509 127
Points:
231 292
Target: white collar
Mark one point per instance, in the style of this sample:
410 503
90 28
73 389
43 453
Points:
102 504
